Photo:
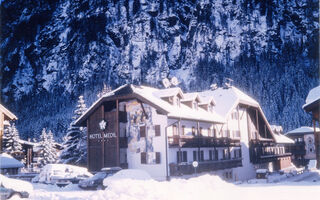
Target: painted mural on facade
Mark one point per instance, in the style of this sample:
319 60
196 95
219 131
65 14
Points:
138 117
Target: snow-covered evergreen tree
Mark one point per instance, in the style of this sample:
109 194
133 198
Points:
47 152
75 145
11 139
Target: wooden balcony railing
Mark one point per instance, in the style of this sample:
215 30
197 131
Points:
187 168
263 154
201 141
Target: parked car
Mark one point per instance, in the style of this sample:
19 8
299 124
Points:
61 174
95 182
14 189
61 182
134 174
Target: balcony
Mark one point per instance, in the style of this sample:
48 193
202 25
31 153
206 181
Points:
263 154
201 141
298 148
204 166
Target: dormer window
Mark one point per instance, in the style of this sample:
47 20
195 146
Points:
195 105
210 108
178 101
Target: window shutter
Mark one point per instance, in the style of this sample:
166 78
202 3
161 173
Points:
142 131
143 157
178 157
157 130
158 159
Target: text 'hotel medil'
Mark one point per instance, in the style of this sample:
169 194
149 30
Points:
162 131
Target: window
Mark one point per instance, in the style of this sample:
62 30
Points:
216 154
143 157
210 108
185 156
236 134
225 133
200 130
214 132
225 154
210 154
209 132
178 101
195 105
193 131
201 156
182 156
183 130
150 158
157 130
174 130
143 131
195 156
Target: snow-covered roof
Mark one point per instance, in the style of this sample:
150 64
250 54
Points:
153 96
7 161
190 97
313 96
206 100
282 139
27 142
169 92
183 111
8 115
301 130
226 99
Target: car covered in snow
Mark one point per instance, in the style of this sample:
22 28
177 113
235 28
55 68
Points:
14 189
61 174
133 174
95 182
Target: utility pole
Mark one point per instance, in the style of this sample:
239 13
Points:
316 142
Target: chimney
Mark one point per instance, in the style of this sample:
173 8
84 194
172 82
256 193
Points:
214 86
228 82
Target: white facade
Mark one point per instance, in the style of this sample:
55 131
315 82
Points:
219 118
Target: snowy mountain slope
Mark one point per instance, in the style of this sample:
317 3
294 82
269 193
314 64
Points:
54 51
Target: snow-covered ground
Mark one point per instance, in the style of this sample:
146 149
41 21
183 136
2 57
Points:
202 187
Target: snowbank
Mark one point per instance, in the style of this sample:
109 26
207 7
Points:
17 185
133 174
7 161
202 187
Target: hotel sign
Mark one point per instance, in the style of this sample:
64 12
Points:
99 135
102 125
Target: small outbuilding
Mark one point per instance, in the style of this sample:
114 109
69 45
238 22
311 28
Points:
9 165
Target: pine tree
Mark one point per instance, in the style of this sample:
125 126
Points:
11 144
47 152
75 145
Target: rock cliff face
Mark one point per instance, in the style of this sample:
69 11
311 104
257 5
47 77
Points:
53 51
